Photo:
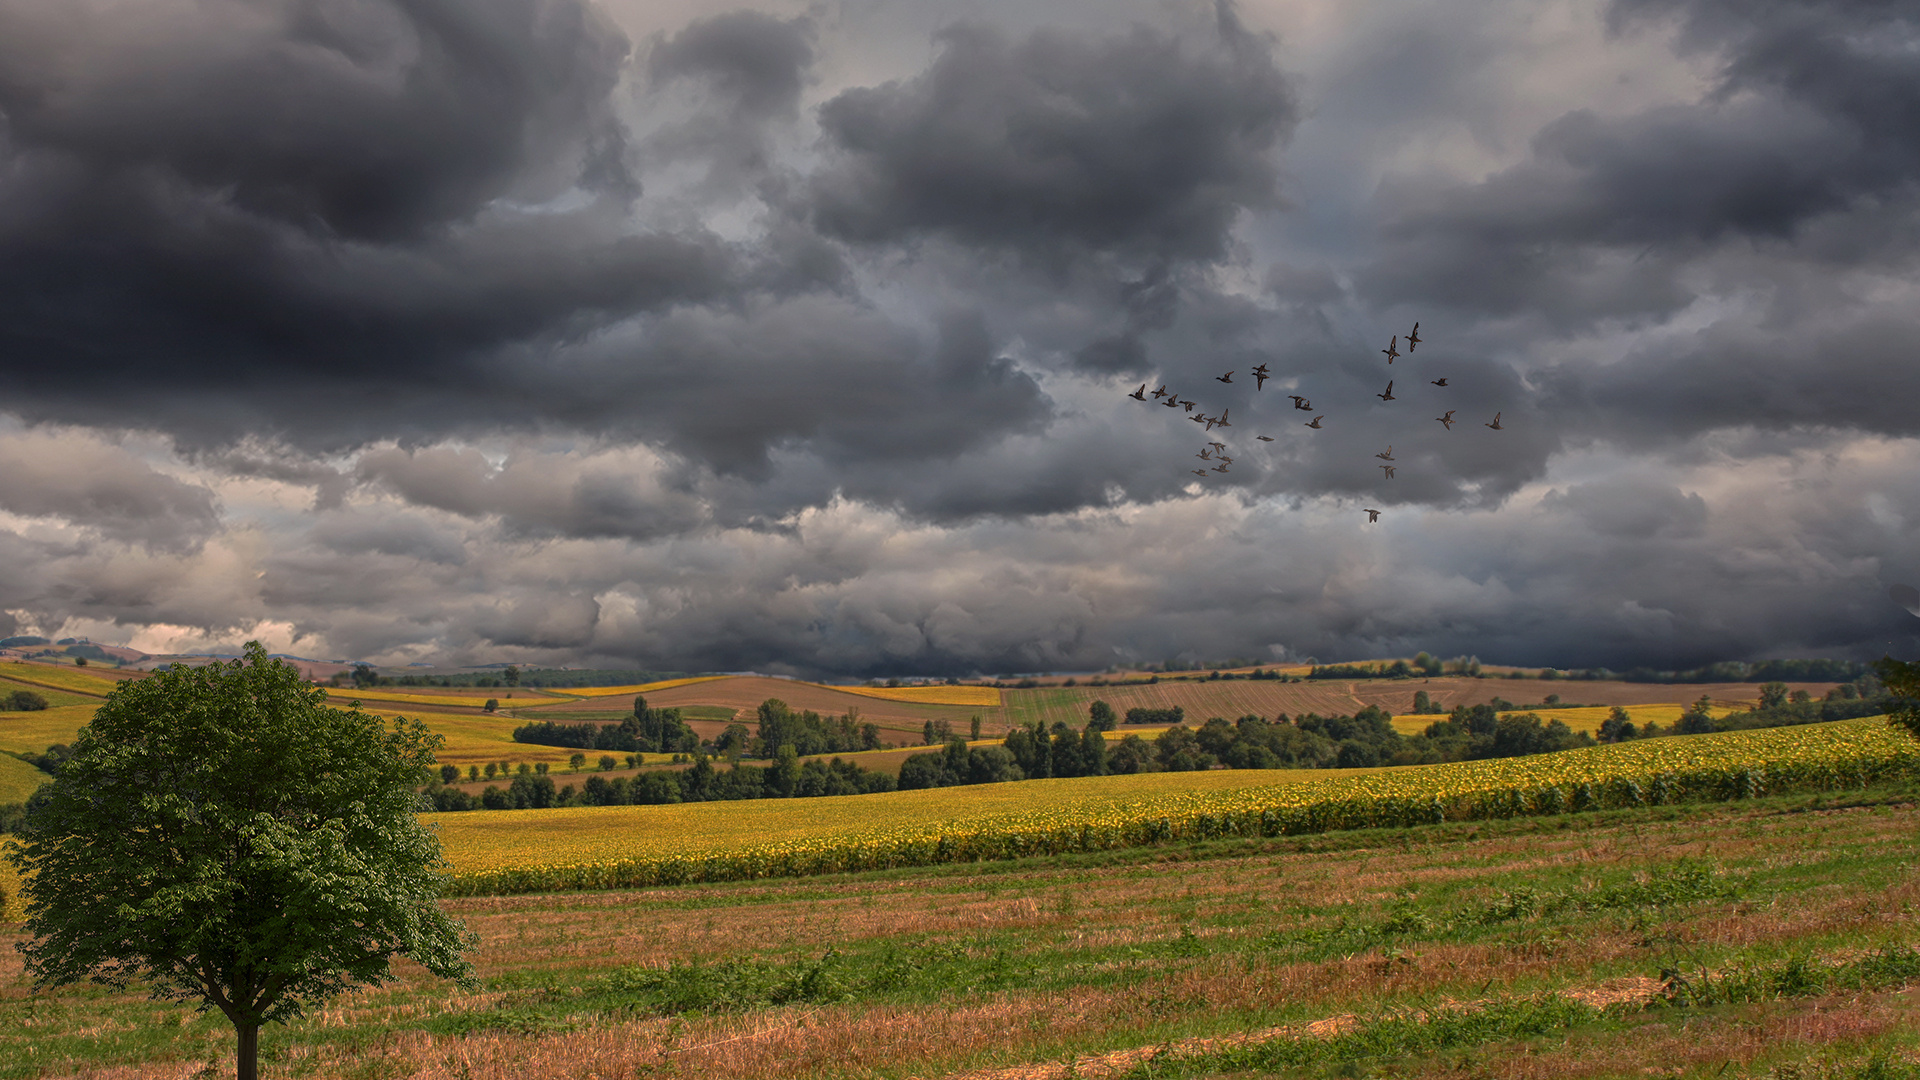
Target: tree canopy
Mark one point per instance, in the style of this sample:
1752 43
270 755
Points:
221 836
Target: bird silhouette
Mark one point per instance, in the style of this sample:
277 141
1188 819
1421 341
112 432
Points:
1373 516
1388 456
1439 382
1222 419
1301 403
1228 377
1222 447
1204 454
1187 405
1172 402
1225 460
1260 377
1219 468
1413 339
1388 396
1162 392
1392 350
1199 472
1316 421
1447 419
1496 422
1140 394
1389 469
1199 418
1264 438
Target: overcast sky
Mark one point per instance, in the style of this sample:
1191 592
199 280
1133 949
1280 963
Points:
799 337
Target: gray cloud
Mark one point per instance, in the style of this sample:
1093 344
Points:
793 343
1056 141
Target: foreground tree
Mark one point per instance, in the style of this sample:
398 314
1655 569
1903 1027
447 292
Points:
1902 679
220 836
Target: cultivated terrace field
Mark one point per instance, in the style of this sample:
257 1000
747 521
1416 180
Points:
1765 937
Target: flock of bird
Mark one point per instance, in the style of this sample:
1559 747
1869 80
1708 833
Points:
1217 452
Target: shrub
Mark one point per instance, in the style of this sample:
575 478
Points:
23 701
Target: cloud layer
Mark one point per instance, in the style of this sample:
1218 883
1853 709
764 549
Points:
768 338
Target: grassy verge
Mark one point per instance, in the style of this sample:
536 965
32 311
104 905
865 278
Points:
1574 944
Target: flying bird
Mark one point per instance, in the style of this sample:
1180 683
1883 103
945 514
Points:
1225 460
1172 402
1204 454
1413 338
1447 419
1260 377
1222 447
1373 516
1316 421
1264 438
1496 422
1301 403
1199 472
1388 456
1392 350
1187 405
1439 382
1200 418
1222 418
1228 377
1162 392
1389 469
1388 396
1140 394
1219 468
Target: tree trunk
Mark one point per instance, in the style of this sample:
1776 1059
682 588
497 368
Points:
247 1054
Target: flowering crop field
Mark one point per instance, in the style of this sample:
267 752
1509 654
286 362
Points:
32 732
642 688
620 847
985 697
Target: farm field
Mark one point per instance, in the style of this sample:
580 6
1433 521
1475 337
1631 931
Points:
747 692
1230 699
602 846
446 697
33 732
1443 951
79 680
18 779
1587 720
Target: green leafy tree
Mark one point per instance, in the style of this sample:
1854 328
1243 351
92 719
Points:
221 836
1902 680
511 676
1101 717
1773 695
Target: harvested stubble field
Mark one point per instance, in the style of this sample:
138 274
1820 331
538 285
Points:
1522 948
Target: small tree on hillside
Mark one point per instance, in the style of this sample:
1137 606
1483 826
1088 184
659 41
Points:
222 837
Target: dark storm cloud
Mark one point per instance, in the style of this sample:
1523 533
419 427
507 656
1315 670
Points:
755 63
1139 144
1817 113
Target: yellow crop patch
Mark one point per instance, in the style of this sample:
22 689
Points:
607 847
985 697
18 779
643 688
1586 718
33 732
340 697
60 678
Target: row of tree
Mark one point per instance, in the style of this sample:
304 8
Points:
644 730
786 778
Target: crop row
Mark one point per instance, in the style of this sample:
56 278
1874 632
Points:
1732 765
